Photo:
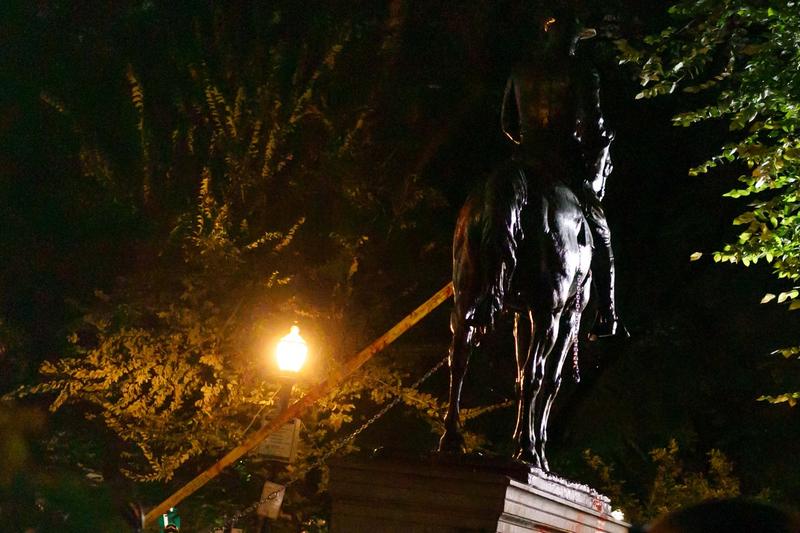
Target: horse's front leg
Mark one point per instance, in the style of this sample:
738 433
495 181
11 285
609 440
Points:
523 332
452 440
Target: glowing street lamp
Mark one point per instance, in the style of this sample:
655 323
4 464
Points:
291 352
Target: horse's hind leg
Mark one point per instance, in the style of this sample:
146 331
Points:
552 368
550 381
531 375
452 440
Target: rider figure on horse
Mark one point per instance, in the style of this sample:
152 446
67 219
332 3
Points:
551 111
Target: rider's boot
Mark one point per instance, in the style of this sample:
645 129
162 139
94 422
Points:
607 323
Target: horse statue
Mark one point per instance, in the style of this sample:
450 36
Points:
523 242
541 272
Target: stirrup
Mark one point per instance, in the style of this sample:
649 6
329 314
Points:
608 325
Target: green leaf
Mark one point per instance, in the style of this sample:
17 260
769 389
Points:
695 256
767 298
789 397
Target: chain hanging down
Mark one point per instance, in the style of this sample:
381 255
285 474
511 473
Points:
576 326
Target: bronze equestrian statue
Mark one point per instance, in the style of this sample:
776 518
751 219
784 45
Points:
524 242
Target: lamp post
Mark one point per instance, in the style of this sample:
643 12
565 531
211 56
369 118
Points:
290 354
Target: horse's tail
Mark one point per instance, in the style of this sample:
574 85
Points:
491 240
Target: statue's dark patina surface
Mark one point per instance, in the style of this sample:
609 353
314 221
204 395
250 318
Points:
524 242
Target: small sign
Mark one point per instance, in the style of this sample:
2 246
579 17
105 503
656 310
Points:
282 445
170 521
271 500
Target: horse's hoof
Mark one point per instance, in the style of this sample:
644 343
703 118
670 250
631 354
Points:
528 457
452 442
544 466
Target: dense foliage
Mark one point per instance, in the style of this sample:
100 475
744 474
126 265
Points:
740 58
247 160
670 484
167 357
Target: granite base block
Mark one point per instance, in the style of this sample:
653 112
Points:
456 494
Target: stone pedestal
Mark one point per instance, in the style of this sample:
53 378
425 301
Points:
459 495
